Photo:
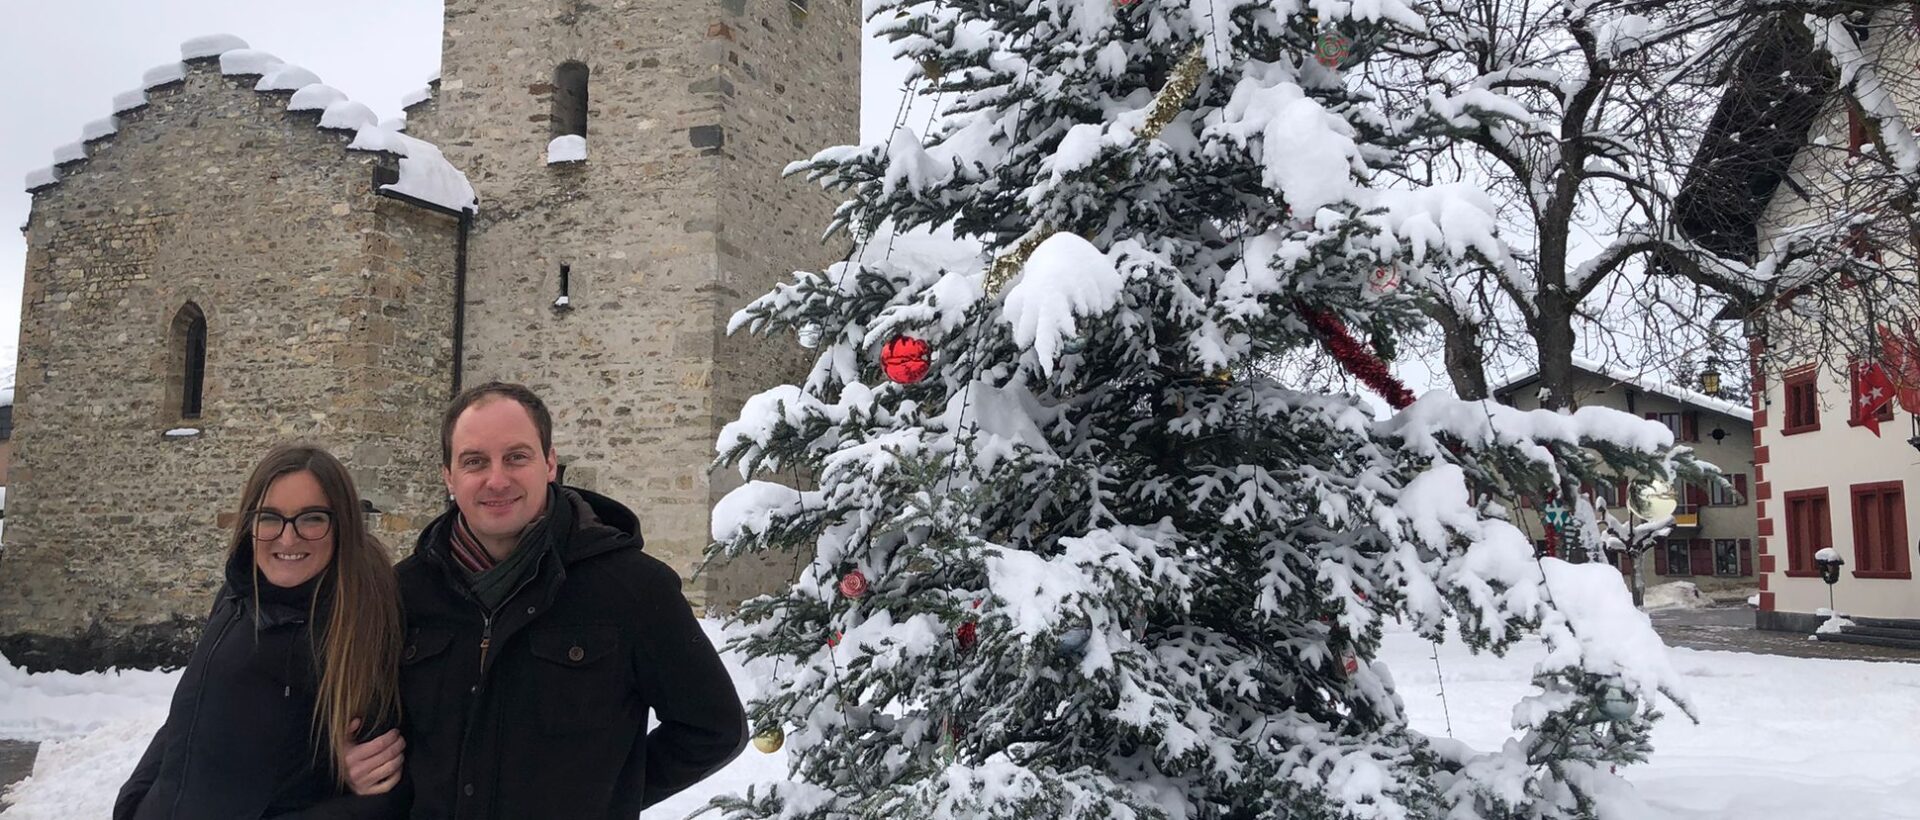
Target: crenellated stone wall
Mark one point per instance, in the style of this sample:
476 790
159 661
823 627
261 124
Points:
328 313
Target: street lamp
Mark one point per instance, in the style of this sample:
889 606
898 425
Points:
1710 377
1655 500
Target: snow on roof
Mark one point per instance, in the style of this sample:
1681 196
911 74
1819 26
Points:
98 129
210 45
416 97
129 100
163 74
286 78
347 115
425 173
247 62
1621 376
42 178
315 97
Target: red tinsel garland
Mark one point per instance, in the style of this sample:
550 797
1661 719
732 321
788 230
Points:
1358 360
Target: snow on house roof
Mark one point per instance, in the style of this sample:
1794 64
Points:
1621 376
425 173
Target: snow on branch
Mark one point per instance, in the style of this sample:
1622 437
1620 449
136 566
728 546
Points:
1859 74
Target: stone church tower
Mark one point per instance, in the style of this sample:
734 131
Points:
677 217
221 254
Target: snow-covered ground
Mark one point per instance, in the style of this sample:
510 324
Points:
1779 738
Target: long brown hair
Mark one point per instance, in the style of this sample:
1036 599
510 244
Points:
359 650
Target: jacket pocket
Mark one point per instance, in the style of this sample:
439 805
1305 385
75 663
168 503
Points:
578 677
423 669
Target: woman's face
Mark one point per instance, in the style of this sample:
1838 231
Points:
293 530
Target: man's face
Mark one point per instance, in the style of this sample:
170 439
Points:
499 475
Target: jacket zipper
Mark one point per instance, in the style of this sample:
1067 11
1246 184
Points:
486 640
199 693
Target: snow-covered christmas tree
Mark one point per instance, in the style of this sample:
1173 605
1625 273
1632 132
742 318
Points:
1069 545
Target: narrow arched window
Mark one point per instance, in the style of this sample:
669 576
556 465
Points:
570 100
187 344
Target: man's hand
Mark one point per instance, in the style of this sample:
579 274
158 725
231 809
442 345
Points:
374 767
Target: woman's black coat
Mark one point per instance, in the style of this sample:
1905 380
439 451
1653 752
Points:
238 743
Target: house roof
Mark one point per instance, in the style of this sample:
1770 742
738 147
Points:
1621 376
423 173
1776 84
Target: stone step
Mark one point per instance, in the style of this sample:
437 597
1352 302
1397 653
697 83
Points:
1870 640
1903 633
1887 623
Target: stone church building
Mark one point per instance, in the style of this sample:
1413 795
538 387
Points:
240 257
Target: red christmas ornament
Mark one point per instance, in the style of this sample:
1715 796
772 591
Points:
834 639
968 634
1384 280
853 584
1356 359
1349 662
906 359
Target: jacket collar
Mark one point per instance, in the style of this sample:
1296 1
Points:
580 524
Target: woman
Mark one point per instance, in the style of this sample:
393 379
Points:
304 639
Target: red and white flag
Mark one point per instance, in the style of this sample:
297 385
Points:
1901 352
1872 392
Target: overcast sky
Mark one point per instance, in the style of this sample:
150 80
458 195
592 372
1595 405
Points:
63 60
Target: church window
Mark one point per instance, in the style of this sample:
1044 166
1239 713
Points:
187 345
570 100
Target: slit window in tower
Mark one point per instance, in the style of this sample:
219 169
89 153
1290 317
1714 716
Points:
570 100
189 344
564 301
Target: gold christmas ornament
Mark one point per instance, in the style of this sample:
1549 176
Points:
770 739
1167 104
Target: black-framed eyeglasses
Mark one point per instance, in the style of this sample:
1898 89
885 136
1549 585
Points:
311 525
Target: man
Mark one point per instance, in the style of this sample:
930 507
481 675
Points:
539 636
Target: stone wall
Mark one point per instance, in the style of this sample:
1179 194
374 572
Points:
677 216
327 312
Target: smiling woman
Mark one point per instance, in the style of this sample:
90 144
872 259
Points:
300 565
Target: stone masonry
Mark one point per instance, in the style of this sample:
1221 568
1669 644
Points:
328 315
330 309
678 217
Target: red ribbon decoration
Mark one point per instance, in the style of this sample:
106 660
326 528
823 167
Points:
1356 358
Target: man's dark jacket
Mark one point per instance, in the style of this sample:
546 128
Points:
539 708
238 743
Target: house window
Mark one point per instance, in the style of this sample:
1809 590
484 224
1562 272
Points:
1672 422
1880 530
1885 412
569 100
1726 557
1679 558
1809 529
1731 494
187 351
1803 402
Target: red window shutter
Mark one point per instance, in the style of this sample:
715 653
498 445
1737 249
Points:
1866 536
1690 426
1660 556
1696 495
1700 555
1896 500
1620 495
1740 488
1746 556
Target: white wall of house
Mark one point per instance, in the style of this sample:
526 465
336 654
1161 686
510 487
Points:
1836 458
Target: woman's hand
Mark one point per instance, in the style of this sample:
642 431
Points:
374 767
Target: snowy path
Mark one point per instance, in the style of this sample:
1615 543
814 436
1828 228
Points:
1779 739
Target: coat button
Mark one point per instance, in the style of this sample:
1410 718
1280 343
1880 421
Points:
411 651
467 790
575 654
